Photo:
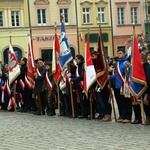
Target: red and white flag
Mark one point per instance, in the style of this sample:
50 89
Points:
81 37
14 69
30 63
56 69
89 70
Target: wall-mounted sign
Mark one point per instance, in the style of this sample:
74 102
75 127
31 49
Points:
45 38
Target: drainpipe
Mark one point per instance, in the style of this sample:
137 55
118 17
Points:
77 26
111 26
29 19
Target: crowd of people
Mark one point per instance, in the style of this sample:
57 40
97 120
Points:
44 100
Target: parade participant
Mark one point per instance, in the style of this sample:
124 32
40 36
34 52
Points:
78 84
20 87
4 99
49 88
63 97
146 94
39 79
148 57
119 78
127 104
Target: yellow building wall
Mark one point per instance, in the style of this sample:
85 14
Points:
19 34
94 26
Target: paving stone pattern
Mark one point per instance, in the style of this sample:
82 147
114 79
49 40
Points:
24 131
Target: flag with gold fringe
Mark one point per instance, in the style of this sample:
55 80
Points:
138 83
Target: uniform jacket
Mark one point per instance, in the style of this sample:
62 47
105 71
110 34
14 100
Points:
122 67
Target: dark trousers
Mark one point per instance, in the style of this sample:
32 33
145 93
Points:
100 104
119 100
127 108
147 110
137 111
105 96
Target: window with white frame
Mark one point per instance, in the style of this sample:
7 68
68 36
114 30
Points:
148 10
64 11
101 14
86 15
15 18
120 12
41 14
134 15
1 19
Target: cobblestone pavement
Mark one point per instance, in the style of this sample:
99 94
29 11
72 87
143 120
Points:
24 131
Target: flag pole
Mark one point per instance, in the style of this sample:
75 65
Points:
14 84
57 84
142 106
70 84
111 94
91 110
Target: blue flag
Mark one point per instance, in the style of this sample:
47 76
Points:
65 52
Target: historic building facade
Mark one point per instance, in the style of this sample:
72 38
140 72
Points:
126 13
14 23
89 14
43 15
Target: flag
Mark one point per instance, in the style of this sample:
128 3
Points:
81 37
137 75
30 63
14 69
89 70
101 64
56 69
65 52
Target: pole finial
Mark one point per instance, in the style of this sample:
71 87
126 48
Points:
62 17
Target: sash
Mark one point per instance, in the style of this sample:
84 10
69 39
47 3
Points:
28 83
120 77
48 81
21 84
21 98
2 88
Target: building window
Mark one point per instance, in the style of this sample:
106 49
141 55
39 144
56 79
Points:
106 52
101 14
148 10
86 15
15 18
134 15
17 51
64 11
41 13
120 16
1 19
47 54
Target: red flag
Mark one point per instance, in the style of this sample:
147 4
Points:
30 63
89 70
101 64
56 69
138 79
81 37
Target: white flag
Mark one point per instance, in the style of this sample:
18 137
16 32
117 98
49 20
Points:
14 69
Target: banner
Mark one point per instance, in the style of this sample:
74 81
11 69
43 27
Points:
65 52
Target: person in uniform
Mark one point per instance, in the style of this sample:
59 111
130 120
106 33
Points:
39 80
49 88
118 76
78 84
